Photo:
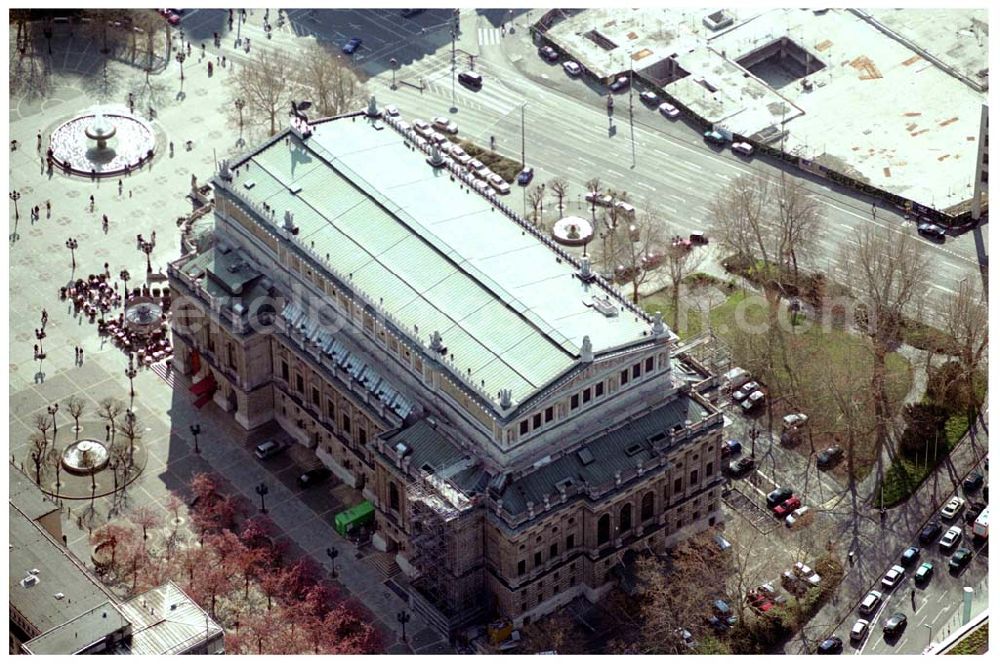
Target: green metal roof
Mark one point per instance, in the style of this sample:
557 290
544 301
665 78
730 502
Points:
435 256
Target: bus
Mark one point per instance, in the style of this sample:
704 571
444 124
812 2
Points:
982 527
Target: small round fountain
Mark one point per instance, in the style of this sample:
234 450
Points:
572 231
105 142
85 456
100 130
143 314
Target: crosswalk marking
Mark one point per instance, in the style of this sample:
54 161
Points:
489 36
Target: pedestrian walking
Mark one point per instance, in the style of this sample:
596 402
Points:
130 194
91 203
48 208
120 186
45 317
153 238
39 140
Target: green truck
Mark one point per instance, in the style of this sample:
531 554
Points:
356 516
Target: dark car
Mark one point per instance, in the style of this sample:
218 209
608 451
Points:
930 532
959 559
741 467
932 231
909 556
269 449
924 573
972 482
525 175
313 476
829 457
548 53
777 496
895 624
832 645
731 447
471 79
711 136
352 45
973 511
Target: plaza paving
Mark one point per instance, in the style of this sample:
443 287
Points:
152 199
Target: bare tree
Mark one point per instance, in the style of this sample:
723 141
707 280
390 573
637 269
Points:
680 262
634 251
148 24
132 431
798 217
146 518
559 188
329 82
535 198
39 445
75 407
967 324
266 87
43 424
888 271
109 409
593 185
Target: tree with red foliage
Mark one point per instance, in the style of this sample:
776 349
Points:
204 490
112 535
135 560
146 518
216 581
272 582
174 504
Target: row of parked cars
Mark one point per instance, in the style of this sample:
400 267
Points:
273 448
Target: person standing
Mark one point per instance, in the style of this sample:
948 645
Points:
39 141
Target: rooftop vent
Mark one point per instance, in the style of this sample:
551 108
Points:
403 449
295 189
59 596
586 457
604 305
427 468
249 184
633 449
542 463
29 580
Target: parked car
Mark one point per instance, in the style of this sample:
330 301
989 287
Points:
352 45
731 447
269 449
459 155
741 467
499 184
870 602
572 68
895 624
711 136
793 583
668 110
698 238
777 496
437 137
722 611
787 507
621 83
932 231
929 533
759 602
444 124
473 80
806 573
742 148
649 97
795 516
599 199
753 400
525 176
475 166
722 543
924 572
423 128
832 645
909 556
860 630
959 559
390 111
548 53
893 576
829 457
794 420
314 476
973 510
952 508
627 209
951 537
972 482
687 639
743 392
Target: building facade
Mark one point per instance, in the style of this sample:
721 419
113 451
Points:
515 420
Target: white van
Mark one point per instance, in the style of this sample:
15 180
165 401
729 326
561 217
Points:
743 148
736 378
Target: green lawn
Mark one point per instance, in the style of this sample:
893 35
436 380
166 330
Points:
977 642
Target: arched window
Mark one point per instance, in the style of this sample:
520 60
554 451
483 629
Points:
625 518
603 529
393 497
647 506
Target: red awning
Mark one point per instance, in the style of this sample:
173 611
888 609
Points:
206 385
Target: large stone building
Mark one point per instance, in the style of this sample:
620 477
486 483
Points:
518 424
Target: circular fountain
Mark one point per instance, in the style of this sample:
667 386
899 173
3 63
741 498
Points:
102 143
85 456
572 231
143 314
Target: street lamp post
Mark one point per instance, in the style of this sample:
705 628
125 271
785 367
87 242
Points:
454 66
131 372
52 409
930 632
394 65
196 430
40 335
181 57
240 103
147 246
14 196
403 618
332 554
72 244
262 490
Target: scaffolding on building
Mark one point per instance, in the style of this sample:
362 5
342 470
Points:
434 505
